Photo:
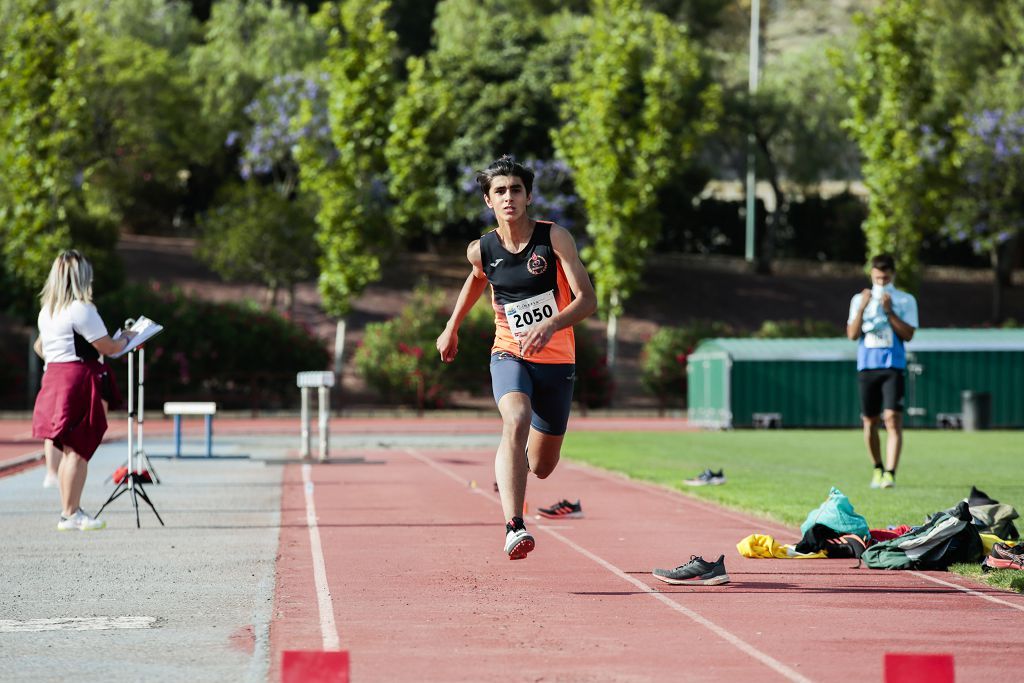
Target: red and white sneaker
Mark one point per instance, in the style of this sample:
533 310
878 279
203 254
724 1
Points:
563 509
518 541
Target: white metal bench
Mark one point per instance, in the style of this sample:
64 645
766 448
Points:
178 408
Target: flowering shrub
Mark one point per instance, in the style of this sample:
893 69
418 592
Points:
399 360
663 359
215 350
595 386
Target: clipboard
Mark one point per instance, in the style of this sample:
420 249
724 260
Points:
144 328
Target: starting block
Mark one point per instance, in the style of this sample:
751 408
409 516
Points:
179 408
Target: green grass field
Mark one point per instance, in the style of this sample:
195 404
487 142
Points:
784 474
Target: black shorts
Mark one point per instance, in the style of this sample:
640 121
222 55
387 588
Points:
881 389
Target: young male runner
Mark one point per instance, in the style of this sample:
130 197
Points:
539 290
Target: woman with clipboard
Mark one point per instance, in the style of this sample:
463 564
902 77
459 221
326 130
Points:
70 409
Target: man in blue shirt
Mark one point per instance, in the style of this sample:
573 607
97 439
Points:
882 319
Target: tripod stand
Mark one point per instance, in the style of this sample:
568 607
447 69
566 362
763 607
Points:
140 453
132 481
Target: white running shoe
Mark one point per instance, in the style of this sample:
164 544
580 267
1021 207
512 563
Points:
50 481
81 522
518 541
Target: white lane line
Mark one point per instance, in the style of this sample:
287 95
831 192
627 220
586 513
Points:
328 629
75 624
969 591
682 498
721 632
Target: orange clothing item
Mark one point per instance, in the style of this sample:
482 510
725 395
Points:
561 348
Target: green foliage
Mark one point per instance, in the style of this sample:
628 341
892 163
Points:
805 328
145 128
254 234
245 45
663 359
595 386
354 230
42 121
216 350
894 102
479 94
636 104
399 360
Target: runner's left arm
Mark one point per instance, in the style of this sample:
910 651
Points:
584 302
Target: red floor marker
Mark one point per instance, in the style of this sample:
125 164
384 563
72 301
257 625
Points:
314 666
911 668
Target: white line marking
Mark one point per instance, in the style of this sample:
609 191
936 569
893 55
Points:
722 633
75 624
328 629
969 591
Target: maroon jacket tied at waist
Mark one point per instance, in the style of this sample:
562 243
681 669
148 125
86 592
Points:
69 409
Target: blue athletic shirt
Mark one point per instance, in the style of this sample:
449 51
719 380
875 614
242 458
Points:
879 346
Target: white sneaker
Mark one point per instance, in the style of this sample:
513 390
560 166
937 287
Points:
81 522
50 481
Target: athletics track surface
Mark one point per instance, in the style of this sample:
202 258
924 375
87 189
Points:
403 567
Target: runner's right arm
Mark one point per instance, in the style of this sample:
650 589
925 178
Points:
472 288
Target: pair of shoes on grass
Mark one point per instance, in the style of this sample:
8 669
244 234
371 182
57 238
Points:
883 479
80 521
707 478
1005 556
696 572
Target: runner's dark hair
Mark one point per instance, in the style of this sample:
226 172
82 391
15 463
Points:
506 165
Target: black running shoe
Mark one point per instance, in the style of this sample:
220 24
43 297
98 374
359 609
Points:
562 510
696 571
518 541
707 478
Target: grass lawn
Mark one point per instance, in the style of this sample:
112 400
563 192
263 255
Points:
784 474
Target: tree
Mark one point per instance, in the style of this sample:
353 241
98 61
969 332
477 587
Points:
894 100
41 137
145 130
636 106
253 233
479 94
352 188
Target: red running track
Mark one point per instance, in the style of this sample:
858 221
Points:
419 589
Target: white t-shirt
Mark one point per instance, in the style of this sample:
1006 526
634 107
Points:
57 332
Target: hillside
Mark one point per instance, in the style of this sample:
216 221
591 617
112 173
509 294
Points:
676 289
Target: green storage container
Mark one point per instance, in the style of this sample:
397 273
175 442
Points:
813 382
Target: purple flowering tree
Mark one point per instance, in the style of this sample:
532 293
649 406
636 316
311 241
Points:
988 212
264 229
267 147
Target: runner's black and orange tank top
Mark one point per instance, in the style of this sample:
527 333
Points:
527 288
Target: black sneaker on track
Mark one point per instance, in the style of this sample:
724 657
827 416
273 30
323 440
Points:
707 478
518 541
1004 556
563 509
696 571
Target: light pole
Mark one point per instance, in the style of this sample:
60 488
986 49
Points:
755 49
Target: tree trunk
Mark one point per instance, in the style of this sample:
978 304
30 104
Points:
612 332
997 287
766 255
